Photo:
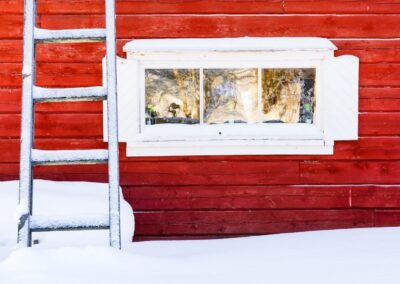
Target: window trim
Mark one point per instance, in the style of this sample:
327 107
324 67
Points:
273 50
211 132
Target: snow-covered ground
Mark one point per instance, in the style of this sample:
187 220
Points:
365 256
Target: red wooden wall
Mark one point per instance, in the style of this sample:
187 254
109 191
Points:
198 197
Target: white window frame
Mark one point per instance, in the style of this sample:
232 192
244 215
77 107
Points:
221 139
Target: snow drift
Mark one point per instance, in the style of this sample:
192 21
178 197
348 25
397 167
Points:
73 200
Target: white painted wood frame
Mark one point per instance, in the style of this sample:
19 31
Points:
336 89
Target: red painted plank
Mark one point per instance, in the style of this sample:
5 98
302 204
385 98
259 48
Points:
208 6
148 7
151 26
367 149
54 74
11 26
87 74
321 172
369 51
261 197
379 124
72 143
10 102
367 43
380 93
10 75
371 124
235 197
377 105
12 6
387 218
9 172
373 55
200 7
173 174
375 196
55 125
69 74
384 75
342 6
341 172
11 51
210 173
183 237
379 99
248 222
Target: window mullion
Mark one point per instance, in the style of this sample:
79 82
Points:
201 114
259 82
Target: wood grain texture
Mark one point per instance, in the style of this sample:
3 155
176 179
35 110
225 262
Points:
252 222
70 124
342 6
88 74
210 6
386 218
165 26
341 172
386 197
369 51
154 198
220 196
365 149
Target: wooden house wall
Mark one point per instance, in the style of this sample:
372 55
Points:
200 197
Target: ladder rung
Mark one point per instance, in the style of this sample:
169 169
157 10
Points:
69 35
69 94
58 157
43 223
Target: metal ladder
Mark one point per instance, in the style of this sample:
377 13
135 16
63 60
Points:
30 156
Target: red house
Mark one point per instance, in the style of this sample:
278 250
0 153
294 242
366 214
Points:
221 189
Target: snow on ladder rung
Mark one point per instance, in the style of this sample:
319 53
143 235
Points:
80 35
62 223
69 94
51 157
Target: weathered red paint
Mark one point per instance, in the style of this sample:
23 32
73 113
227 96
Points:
203 197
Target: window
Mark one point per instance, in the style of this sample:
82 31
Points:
242 96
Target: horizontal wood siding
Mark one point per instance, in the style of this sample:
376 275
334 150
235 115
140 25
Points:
220 196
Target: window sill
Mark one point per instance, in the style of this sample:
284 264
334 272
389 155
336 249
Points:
231 147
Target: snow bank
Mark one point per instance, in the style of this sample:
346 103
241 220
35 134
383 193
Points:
75 200
367 256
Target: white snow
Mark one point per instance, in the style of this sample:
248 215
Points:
231 44
367 256
61 201
68 155
26 70
54 221
43 34
45 94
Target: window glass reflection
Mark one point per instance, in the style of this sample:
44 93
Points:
230 95
288 95
172 96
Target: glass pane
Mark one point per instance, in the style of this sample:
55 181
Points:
230 95
172 96
288 95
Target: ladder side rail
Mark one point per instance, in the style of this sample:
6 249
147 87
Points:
113 163
28 74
